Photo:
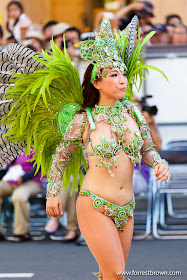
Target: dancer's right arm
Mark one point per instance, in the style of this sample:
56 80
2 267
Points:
72 138
60 161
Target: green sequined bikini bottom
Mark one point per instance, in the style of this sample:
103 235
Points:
120 213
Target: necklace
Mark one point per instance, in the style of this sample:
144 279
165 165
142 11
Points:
113 115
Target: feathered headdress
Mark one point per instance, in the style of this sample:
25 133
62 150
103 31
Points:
103 52
123 50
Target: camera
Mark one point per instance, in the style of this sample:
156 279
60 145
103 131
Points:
152 110
68 44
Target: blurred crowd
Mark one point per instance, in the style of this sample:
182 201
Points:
22 30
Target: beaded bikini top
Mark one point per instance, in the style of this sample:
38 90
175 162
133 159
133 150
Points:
107 151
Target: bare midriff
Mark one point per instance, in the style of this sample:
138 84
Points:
117 189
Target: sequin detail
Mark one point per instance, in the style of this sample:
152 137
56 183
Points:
104 52
120 213
73 138
156 160
134 147
107 151
107 154
65 115
56 173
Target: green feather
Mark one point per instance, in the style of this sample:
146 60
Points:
37 99
135 64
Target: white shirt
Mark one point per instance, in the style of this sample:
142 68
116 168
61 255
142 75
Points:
23 22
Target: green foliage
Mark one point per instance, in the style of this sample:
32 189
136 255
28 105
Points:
37 99
74 168
135 64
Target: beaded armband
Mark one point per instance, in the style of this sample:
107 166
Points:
75 130
53 189
157 159
150 146
60 161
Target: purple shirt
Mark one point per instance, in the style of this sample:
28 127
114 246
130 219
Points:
27 166
145 171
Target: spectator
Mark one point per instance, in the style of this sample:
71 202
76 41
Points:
170 29
141 177
162 36
21 183
58 30
35 39
18 22
144 11
1 39
73 34
69 205
173 20
179 35
48 32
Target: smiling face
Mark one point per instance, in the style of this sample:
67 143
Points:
112 87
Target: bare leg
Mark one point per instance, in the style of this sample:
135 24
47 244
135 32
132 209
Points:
102 238
126 237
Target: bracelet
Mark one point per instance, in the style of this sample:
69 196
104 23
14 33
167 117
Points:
156 160
53 189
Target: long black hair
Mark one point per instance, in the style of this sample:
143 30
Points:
90 93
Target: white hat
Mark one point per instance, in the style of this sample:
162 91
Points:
34 34
86 35
60 28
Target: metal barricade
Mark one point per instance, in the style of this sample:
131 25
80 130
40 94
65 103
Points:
177 228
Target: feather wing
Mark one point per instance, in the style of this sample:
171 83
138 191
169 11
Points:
36 98
15 59
132 56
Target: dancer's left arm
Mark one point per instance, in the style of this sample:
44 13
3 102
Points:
152 158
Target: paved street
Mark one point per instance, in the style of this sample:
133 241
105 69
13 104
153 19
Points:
52 260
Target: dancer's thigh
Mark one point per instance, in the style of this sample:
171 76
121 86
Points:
126 237
101 236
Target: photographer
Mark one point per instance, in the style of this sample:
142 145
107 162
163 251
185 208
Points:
141 177
144 11
58 30
72 37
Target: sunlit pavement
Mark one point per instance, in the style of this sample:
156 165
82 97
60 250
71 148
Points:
52 260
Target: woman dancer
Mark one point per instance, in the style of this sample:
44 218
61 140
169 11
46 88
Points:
99 115
116 137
